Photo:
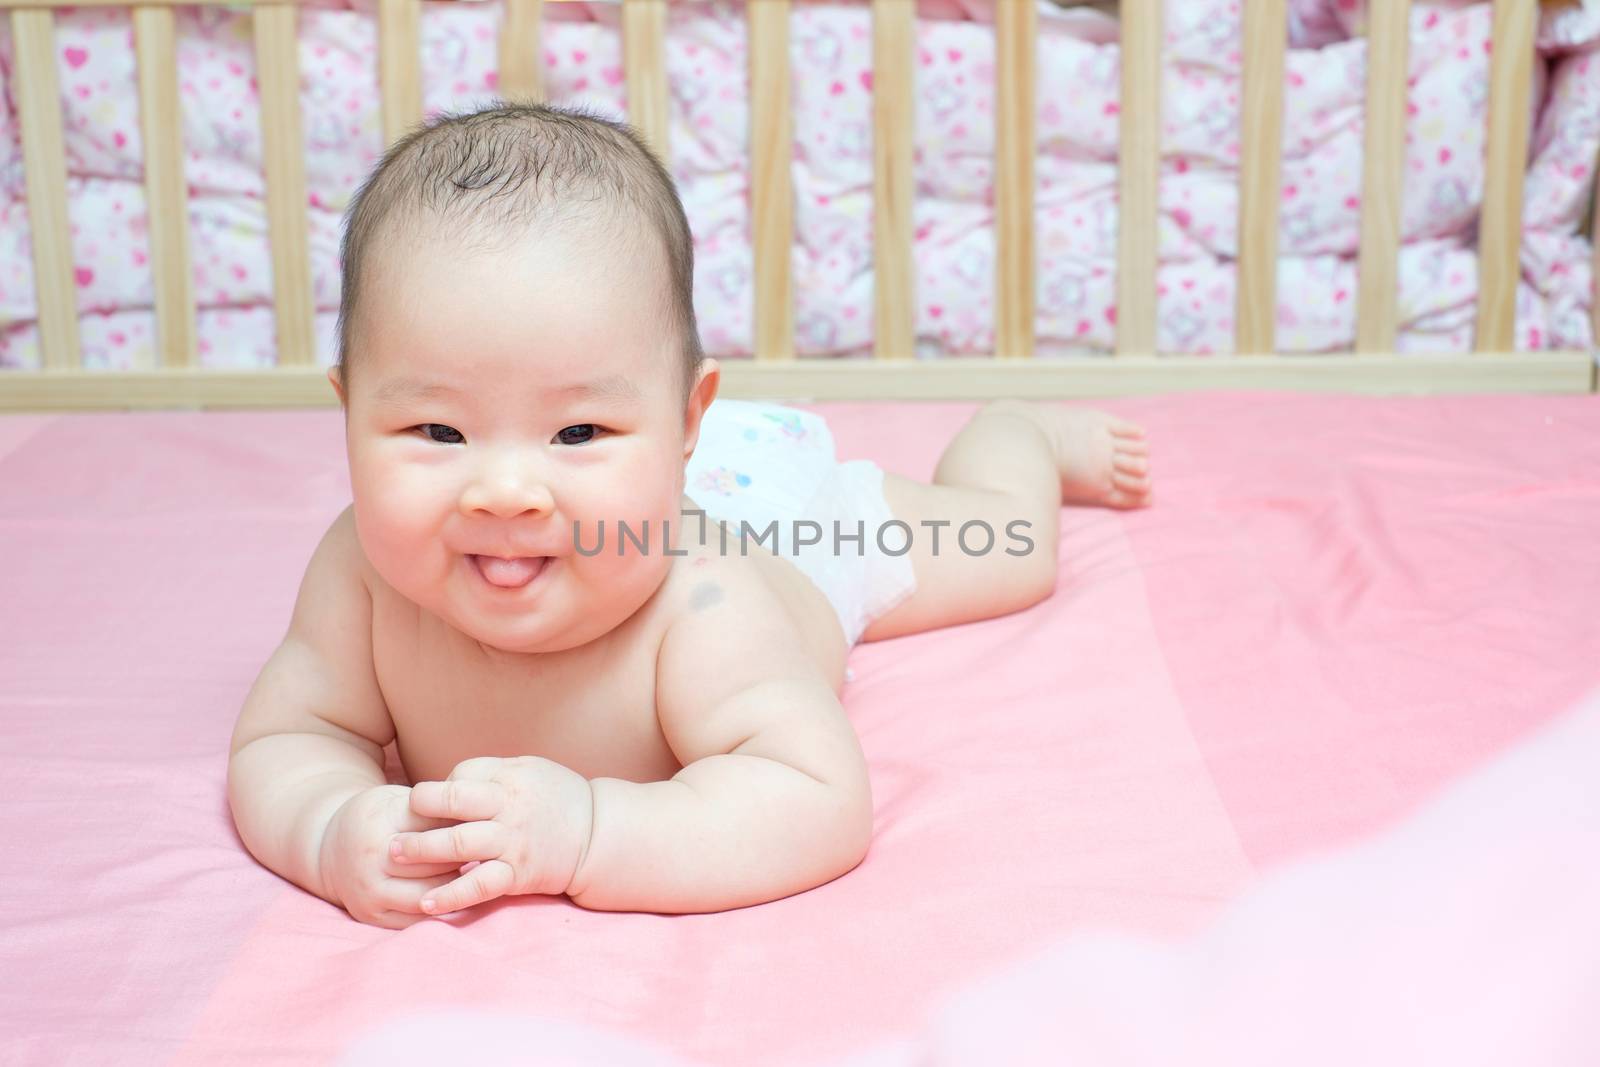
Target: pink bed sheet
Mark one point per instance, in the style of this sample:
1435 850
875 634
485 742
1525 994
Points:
1337 606
1466 935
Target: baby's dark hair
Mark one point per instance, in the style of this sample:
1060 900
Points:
500 172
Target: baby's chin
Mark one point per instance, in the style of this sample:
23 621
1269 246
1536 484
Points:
498 649
558 625
498 643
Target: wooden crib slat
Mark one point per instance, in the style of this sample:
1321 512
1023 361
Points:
644 48
278 78
521 75
1266 35
166 189
400 66
1383 175
38 95
1015 70
894 115
1138 176
772 186
1500 226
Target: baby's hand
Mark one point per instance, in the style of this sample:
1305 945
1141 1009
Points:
525 820
356 869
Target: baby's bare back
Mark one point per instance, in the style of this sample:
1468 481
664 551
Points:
591 708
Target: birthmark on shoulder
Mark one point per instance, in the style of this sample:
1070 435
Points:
705 595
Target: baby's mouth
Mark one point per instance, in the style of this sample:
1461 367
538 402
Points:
509 573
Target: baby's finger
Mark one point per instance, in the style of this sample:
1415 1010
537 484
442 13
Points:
463 800
397 868
405 894
451 844
490 879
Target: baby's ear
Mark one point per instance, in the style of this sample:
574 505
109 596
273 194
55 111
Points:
333 378
706 381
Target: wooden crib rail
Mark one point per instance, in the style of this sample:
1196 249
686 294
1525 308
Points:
288 227
644 61
1383 160
1139 176
1266 29
166 193
893 179
771 180
1500 229
521 58
891 372
1014 141
38 95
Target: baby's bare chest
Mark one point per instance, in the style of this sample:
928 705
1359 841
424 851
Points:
449 703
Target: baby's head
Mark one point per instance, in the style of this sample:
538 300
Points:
519 358
507 177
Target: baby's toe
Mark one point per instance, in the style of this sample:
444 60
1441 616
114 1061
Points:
1124 428
1134 446
1132 464
1129 490
1129 480
1128 463
1129 498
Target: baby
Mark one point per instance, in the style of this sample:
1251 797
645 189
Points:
604 618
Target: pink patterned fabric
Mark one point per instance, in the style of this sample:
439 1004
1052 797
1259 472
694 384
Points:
831 56
1336 607
1564 26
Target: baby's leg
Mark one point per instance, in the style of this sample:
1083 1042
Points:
1014 460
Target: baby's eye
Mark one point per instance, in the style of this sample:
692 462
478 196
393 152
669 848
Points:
428 429
580 434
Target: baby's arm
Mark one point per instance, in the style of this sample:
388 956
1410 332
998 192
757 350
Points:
310 734
773 798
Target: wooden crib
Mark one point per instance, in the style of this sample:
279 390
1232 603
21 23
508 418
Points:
891 372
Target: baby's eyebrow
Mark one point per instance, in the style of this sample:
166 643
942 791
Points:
611 387
410 390
413 390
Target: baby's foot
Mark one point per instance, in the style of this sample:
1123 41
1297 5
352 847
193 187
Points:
1104 460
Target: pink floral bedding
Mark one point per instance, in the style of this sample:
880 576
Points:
954 223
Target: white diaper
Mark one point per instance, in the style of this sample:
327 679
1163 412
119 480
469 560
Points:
761 464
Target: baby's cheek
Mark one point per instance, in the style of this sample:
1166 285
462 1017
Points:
622 541
397 519
400 536
639 508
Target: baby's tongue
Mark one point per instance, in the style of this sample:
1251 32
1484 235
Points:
510 572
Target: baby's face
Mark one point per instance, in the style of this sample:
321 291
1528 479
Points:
496 400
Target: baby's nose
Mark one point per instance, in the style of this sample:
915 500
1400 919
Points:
508 488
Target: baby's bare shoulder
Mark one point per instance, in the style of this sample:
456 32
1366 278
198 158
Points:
728 626
738 673
321 675
711 591
348 553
